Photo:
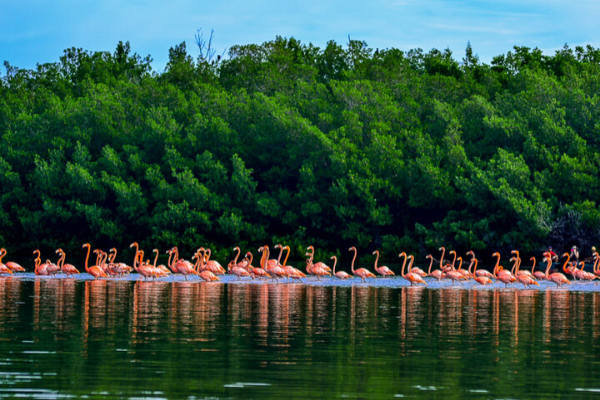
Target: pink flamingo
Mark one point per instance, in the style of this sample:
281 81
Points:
3 268
464 273
383 270
583 275
181 266
236 270
13 266
290 271
68 269
204 274
411 276
256 272
501 274
271 266
316 269
213 265
339 274
437 274
556 277
319 264
94 271
479 272
482 280
539 275
525 279
242 264
40 269
118 268
160 271
362 273
568 269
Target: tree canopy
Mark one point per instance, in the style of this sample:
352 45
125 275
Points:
289 142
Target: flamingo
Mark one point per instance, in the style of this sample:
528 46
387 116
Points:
568 269
234 268
118 268
95 271
383 270
479 272
556 277
501 274
525 278
3 268
40 269
159 271
256 272
242 264
316 269
13 266
68 269
463 273
271 266
204 274
412 277
437 274
213 265
518 267
339 274
483 280
539 275
319 264
182 266
290 271
362 273
583 275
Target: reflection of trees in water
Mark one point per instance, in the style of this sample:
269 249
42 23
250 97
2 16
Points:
11 292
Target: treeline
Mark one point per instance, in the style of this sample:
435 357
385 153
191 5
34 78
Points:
288 142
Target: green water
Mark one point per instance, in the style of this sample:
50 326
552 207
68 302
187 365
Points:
122 339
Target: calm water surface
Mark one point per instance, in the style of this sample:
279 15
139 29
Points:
63 338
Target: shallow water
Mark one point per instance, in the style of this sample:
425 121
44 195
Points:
63 338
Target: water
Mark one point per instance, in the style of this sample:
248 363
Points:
66 338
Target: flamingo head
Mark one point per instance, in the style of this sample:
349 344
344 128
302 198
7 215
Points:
403 254
376 252
496 254
566 255
428 256
133 244
352 248
333 257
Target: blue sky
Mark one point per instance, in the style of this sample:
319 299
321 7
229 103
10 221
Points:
37 31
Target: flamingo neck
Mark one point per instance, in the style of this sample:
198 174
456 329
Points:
87 257
236 256
403 264
442 259
353 259
430 264
334 263
155 258
565 264
286 256
376 259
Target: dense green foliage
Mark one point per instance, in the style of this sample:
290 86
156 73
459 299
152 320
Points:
288 142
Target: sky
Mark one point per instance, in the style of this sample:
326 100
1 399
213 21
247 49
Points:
37 31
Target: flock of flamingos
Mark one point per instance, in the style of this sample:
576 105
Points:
208 270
